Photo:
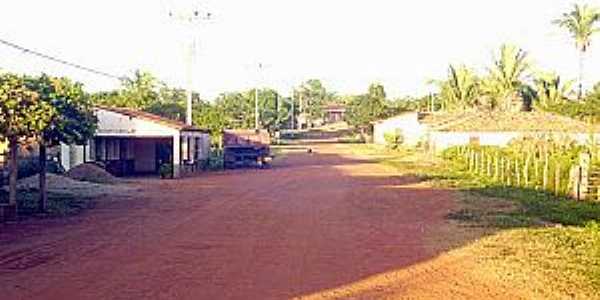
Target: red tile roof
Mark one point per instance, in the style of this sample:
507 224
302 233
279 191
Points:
535 121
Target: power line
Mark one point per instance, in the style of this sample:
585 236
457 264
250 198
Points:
58 60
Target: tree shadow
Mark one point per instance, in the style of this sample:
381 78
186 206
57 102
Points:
312 223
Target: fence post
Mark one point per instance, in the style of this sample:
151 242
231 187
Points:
574 178
501 169
518 172
496 167
489 166
557 180
536 172
584 161
526 169
508 173
545 173
483 156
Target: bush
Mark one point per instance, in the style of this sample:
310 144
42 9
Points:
215 160
166 171
393 140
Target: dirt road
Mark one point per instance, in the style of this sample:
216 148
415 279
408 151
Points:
316 226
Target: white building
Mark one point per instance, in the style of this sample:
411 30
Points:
440 131
407 125
132 142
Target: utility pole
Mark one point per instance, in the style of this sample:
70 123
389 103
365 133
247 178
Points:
293 110
188 18
257 89
256 116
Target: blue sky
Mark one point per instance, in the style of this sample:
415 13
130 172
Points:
347 44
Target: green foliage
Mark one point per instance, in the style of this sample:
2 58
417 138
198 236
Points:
72 120
313 97
364 109
22 112
393 140
504 83
587 110
551 90
460 90
581 23
166 170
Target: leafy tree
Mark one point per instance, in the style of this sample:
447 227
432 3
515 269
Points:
211 117
71 121
581 22
23 114
313 96
237 108
171 103
140 91
364 109
400 105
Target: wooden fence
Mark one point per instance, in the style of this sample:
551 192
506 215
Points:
539 170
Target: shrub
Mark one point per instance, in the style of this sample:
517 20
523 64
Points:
166 170
393 140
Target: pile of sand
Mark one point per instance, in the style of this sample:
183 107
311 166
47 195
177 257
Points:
91 173
65 185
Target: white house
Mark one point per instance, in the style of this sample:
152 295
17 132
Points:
408 125
440 131
132 142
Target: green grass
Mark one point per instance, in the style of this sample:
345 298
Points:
536 233
58 205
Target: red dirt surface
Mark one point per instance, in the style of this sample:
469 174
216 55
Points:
315 226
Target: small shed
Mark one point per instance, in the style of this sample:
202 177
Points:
130 142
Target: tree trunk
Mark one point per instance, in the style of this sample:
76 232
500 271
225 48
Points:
14 170
43 199
581 59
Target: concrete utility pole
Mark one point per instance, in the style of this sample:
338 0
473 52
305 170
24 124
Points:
256 110
189 18
256 116
293 109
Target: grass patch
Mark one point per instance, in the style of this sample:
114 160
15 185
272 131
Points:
540 240
58 205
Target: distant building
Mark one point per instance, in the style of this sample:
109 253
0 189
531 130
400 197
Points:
334 113
439 131
130 142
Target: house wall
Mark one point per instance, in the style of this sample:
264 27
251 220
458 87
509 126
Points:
71 155
115 124
406 124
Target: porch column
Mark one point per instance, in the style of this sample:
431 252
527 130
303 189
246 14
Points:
176 155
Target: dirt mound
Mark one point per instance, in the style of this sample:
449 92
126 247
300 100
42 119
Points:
91 173
65 185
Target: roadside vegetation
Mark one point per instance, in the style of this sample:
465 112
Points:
532 239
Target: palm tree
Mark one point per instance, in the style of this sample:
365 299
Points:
551 89
460 90
581 24
506 76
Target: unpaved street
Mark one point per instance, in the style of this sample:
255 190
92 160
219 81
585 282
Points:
319 226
